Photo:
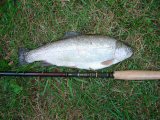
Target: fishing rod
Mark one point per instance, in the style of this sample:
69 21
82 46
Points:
121 75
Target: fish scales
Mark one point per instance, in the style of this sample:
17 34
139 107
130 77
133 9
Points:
84 52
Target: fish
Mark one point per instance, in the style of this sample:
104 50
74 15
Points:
89 52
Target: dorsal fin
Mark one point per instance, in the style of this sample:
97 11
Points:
71 34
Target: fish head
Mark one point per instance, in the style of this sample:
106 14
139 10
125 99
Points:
122 51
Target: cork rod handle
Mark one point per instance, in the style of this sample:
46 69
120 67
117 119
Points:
137 75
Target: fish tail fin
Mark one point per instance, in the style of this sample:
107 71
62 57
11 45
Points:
21 56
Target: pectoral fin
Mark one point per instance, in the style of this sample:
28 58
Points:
107 62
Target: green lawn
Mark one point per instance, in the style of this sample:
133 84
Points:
33 23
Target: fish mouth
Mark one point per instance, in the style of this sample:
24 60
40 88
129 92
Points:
129 52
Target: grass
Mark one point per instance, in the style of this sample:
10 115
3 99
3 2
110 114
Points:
33 23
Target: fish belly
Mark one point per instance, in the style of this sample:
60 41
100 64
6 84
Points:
84 59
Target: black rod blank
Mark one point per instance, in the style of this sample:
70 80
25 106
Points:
58 74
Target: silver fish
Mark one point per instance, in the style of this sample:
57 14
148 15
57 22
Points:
84 52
